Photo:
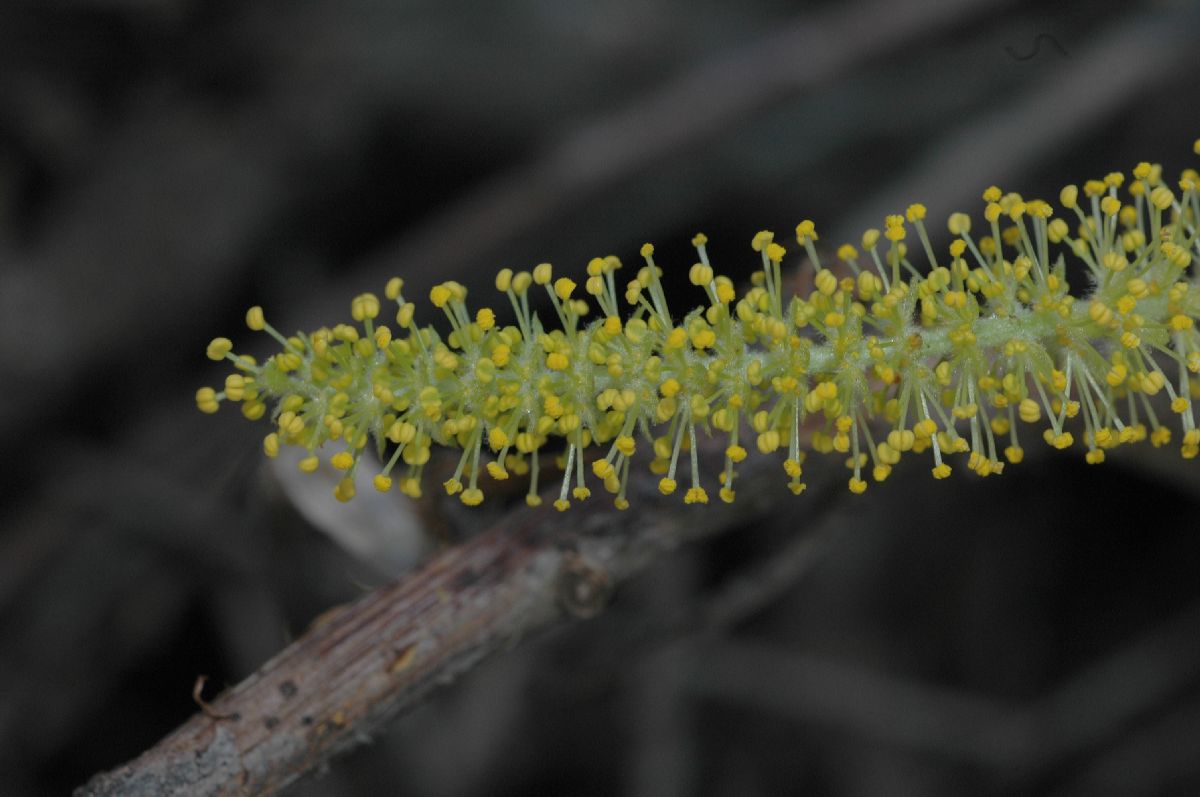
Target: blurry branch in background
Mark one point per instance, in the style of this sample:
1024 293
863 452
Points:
701 104
363 664
1060 108
1021 741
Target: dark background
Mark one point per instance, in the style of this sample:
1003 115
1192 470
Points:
164 165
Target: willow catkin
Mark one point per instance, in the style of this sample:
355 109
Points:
886 359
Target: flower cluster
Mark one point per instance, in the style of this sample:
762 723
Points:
881 359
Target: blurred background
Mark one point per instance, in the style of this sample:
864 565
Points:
165 165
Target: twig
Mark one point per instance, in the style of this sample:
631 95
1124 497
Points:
363 664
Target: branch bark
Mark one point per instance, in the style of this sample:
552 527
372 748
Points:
363 664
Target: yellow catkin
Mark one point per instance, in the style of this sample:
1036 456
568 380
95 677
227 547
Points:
931 365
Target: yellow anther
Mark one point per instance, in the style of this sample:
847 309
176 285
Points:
504 279
364 306
826 283
806 231
725 291
543 273
1115 261
439 295
235 387
761 239
382 483
206 400
391 291
901 439
603 468
218 348
521 282
255 319
1162 198
344 491
1063 440
485 317
666 486
1099 312
700 275
827 391
563 287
